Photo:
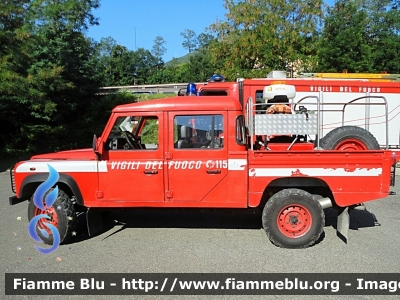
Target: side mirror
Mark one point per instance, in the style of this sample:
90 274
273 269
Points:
97 147
94 143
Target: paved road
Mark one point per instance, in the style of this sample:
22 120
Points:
201 241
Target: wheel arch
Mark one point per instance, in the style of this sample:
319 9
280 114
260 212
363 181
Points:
312 185
65 182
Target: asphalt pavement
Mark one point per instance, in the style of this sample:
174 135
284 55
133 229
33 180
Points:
201 241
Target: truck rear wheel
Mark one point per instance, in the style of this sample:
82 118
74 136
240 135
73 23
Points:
349 138
292 218
62 216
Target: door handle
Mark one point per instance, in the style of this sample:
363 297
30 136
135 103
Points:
213 171
151 172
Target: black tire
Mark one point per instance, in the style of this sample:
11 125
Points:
349 138
292 218
65 213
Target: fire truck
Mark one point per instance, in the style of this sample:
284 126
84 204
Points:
246 144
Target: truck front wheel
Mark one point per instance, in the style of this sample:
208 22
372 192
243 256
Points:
62 216
292 218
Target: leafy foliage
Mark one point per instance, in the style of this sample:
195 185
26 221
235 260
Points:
385 42
50 71
46 72
189 40
102 60
159 49
344 43
263 35
360 36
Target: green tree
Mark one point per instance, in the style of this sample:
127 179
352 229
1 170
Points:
384 36
103 55
62 47
261 35
46 72
16 92
189 40
167 74
344 43
200 67
60 15
159 48
158 51
120 65
175 71
144 65
204 40
132 67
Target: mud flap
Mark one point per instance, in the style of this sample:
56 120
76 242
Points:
94 221
343 224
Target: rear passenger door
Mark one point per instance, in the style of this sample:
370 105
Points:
196 158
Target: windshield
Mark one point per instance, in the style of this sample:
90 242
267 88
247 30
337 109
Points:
142 131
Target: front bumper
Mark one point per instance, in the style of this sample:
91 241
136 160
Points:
14 200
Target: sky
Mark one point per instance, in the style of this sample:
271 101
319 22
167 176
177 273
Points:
136 23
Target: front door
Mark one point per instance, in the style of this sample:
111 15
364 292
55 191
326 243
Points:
133 157
196 159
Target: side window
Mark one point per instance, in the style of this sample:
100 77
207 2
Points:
149 133
260 102
259 96
214 93
240 130
199 132
134 133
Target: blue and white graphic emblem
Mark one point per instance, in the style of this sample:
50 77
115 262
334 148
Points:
49 200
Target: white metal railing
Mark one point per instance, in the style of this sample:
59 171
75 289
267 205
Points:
301 123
